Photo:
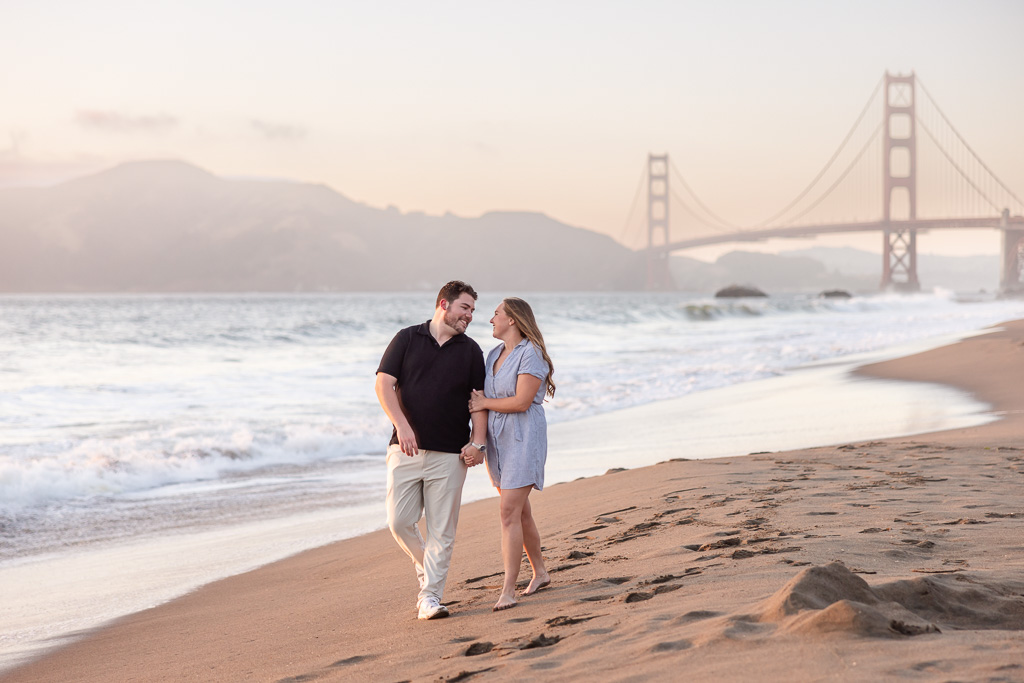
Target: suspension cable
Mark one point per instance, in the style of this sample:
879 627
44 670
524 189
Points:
845 173
632 208
964 142
722 222
703 221
828 165
955 165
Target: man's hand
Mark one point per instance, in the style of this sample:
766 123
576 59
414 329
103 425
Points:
471 456
407 441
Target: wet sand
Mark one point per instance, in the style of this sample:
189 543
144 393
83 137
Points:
901 558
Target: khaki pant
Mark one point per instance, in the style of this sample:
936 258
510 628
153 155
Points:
428 484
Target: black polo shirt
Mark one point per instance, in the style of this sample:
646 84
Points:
434 383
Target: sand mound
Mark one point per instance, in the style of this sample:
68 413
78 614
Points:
960 600
832 599
816 588
846 616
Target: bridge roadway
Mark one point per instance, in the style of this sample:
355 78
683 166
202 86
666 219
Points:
920 224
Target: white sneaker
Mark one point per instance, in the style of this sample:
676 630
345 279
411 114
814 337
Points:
431 608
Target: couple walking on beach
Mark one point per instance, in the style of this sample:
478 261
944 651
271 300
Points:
451 410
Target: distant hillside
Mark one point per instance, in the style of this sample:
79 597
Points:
821 268
958 273
168 226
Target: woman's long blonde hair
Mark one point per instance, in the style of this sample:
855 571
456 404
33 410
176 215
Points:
522 315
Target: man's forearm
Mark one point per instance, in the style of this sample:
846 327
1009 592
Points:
389 402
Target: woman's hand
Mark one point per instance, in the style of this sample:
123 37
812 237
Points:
471 456
476 401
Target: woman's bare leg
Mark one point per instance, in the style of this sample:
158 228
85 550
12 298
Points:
531 543
512 502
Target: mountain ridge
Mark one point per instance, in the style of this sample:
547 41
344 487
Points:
171 226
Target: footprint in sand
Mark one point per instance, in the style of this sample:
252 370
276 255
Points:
664 578
665 513
642 596
475 579
615 512
963 520
540 641
617 580
352 660
697 615
336 665
672 646
724 543
479 648
466 675
569 621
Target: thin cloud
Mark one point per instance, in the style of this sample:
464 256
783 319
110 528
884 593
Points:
279 131
119 123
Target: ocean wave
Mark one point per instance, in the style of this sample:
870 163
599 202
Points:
143 461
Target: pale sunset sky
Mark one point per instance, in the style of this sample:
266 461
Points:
469 107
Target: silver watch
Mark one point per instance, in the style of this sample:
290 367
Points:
482 447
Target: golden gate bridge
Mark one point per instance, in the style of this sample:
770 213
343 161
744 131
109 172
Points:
962 191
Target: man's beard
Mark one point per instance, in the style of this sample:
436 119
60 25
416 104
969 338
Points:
451 319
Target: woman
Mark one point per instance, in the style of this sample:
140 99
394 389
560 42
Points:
518 375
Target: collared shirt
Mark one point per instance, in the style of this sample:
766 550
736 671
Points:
434 385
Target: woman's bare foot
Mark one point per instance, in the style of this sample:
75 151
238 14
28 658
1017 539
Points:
504 602
538 582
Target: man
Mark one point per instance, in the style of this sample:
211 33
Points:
423 383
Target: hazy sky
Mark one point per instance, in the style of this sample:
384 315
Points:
476 106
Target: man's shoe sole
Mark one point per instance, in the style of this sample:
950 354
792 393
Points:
439 614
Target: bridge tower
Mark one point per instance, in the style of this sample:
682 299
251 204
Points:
1013 258
658 275
899 267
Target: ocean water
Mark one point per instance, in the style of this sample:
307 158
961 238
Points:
150 444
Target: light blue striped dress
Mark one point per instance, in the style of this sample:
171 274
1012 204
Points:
517 443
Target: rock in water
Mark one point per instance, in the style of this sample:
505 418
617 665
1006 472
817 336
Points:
738 291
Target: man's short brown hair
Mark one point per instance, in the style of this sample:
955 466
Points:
452 291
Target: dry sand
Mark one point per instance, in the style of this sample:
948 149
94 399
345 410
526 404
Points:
896 559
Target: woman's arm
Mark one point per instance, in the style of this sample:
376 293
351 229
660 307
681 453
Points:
526 390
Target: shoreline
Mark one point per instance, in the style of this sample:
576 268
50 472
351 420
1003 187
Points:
320 580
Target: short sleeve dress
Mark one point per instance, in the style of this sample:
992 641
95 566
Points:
517 443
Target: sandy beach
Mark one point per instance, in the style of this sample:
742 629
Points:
883 560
